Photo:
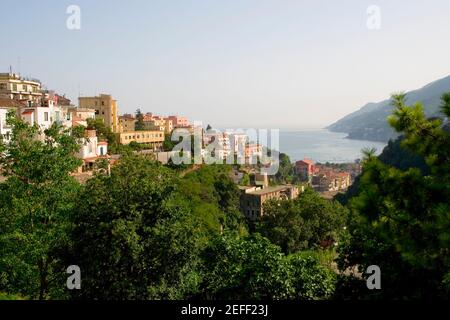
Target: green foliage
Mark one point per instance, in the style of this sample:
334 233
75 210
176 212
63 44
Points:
213 198
246 268
5 296
105 133
245 180
139 125
401 218
307 222
132 239
35 202
253 268
310 279
168 144
285 172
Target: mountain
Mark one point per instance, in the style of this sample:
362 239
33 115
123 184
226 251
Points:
369 122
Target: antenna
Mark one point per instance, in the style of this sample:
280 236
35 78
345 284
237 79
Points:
18 65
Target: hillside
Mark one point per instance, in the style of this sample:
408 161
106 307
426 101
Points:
369 122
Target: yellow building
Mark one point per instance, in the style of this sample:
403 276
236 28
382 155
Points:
155 138
105 107
159 124
12 86
126 124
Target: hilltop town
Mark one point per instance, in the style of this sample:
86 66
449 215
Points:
109 134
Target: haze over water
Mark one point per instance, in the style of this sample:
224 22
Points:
322 145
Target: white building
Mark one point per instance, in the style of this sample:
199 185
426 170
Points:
46 112
91 149
6 105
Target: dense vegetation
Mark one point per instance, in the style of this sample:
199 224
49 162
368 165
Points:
145 231
401 217
149 231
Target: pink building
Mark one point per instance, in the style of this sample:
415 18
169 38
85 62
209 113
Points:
178 121
305 168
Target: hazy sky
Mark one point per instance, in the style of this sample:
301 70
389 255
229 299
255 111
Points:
249 63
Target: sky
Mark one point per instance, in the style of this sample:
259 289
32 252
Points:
231 63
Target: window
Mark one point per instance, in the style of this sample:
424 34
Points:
45 116
3 86
103 103
14 87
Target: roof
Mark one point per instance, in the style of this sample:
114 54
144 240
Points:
10 103
306 161
102 143
28 112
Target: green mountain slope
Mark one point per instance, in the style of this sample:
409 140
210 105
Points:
369 122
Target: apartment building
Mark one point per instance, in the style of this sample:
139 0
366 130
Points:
154 138
105 108
155 124
46 112
305 169
178 121
127 123
12 86
253 198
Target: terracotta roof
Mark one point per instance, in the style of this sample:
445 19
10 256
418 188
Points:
102 143
10 103
306 161
28 112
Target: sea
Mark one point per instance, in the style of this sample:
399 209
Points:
322 146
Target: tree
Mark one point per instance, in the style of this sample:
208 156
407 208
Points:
214 198
307 222
35 202
286 169
139 125
401 219
104 133
133 239
252 267
245 268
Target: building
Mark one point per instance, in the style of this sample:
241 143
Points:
252 150
327 179
178 122
7 105
63 101
91 150
154 138
253 198
12 86
238 143
127 123
105 108
155 124
46 112
305 169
